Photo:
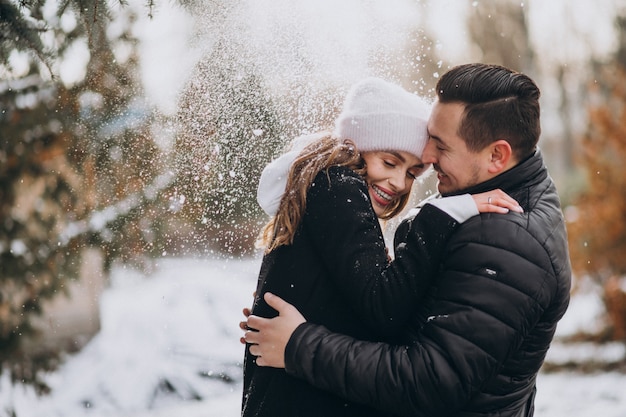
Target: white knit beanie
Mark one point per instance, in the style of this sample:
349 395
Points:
378 115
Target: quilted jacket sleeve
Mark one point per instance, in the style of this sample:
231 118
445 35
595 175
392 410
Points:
346 232
483 290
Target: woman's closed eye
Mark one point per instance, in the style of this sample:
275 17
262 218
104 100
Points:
415 171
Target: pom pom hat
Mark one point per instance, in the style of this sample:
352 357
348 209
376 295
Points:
378 115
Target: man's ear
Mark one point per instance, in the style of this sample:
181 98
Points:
501 157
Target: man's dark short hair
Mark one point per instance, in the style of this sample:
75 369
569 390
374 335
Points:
499 104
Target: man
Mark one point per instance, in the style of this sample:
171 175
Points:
483 328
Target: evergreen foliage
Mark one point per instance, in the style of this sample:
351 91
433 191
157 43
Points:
19 32
230 129
23 24
78 169
38 186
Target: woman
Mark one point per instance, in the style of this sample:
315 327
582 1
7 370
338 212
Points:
327 214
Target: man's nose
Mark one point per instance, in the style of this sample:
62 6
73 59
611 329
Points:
429 154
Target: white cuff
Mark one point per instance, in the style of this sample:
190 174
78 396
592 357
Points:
459 207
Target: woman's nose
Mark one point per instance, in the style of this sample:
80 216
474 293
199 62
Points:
398 182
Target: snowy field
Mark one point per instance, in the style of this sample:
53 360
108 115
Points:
169 346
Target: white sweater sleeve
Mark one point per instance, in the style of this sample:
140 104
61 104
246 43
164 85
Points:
459 207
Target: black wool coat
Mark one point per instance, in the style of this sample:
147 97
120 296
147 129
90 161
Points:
337 274
481 332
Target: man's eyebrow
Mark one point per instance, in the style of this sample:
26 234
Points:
435 138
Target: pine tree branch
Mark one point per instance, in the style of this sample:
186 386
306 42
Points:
18 32
98 220
22 23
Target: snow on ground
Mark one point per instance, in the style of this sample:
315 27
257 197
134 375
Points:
169 345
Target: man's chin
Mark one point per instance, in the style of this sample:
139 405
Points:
442 188
445 189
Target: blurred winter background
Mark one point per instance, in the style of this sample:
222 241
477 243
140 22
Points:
132 135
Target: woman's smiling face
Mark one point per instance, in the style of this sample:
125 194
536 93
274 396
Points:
390 175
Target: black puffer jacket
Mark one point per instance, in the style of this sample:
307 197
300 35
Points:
482 331
336 273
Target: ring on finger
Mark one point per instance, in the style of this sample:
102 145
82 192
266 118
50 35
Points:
489 200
